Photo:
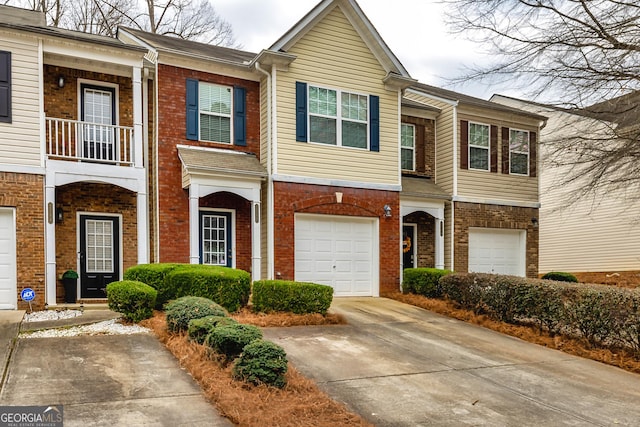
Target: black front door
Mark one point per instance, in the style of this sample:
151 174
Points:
408 246
99 254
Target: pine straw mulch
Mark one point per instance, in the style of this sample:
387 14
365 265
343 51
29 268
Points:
620 358
299 403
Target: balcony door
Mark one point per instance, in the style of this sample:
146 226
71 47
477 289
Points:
99 254
98 114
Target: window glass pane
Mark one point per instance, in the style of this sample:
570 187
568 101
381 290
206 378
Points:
519 163
215 99
215 128
407 135
354 106
519 141
322 101
406 159
323 130
215 113
354 134
478 158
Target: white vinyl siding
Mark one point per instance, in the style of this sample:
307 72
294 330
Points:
20 139
333 55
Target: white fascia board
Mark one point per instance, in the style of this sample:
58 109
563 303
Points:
95 53
451 102
207 65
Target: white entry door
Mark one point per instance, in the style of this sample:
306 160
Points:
338 251
497 251
8 285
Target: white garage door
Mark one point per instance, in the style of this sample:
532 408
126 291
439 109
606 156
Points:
338 251
497 251
8 297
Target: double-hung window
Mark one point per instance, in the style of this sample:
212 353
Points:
479 146
338 118
518 152
215 102
407 147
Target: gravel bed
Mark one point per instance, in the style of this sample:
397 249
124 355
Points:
43 316
108 327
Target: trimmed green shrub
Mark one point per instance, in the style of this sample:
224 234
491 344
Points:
560 276
228 287
591 309
465 289
179 312
198 329
262 362
154 276
135 300
229 340
295 297
423 281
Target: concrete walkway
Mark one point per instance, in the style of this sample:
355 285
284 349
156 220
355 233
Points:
105 380
398 365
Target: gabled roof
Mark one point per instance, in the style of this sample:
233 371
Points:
34 22
187 47
360 22
463 99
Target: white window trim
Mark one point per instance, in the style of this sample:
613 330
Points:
98 83
413 149
470 145
339 119
528 153
200 112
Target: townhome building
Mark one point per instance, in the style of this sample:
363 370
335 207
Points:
317 159
71 160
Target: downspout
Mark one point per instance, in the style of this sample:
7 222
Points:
270 217
456 162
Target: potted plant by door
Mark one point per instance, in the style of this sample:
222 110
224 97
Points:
70 282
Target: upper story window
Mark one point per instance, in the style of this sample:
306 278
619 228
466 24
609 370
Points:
337 118
407 147
479 146
5 87
334 117
216 113
518 152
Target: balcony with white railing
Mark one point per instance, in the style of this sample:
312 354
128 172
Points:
81 141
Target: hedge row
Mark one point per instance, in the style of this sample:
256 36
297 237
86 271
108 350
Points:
226 286
296 297
134 300
256 361
423 281
604 316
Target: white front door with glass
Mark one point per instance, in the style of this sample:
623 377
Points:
216 238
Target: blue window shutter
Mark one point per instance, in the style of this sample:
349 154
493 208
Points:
192 109
374 123
5 87
301 112
239 116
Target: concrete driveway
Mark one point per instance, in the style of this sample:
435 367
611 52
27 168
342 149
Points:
398 365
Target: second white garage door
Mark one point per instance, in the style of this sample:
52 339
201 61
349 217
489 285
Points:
8 297
497 251
338 251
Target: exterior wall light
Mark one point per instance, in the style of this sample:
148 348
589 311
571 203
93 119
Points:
60 81
534 221
387 211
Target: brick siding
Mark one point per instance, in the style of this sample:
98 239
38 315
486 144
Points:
293 198
494 216
25 193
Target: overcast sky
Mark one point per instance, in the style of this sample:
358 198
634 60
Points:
413 29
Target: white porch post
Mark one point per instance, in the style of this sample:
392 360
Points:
439 232
142 227
256 259
137 117
194 220
50 239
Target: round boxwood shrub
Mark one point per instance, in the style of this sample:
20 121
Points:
179 312
229 340
134 300
200 328
262 362
560 276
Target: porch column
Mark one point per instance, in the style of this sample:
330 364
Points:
256 259
439 232
142 227
137 117
194 220
50 239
